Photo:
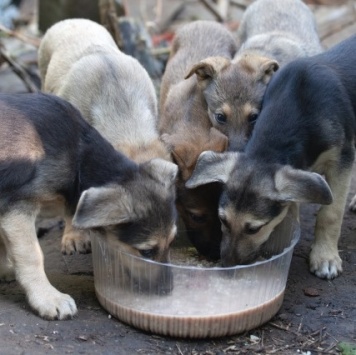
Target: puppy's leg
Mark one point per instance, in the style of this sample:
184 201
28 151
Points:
325 261
74 240
17 227
7 272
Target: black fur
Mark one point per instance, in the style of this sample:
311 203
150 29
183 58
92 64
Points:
309 107
76 155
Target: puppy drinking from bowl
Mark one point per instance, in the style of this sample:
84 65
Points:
50 154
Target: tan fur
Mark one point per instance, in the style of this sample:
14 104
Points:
27 145
245 246
80 62
28 258
324 256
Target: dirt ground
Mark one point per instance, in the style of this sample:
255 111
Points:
315 318
304 323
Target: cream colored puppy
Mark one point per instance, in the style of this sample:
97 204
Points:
80 62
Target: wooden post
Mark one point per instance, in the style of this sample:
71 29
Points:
52 11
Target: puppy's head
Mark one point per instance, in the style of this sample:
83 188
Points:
137 217
198 207
255 199
233 91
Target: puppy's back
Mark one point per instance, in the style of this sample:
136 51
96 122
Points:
290 20
60 35
192 43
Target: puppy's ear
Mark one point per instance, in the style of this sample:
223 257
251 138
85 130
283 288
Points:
208 68
212 167
268 68
162 171
103 206
302 186
262 68
185 155
218 142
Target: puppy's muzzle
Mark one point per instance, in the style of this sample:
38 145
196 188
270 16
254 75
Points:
158 281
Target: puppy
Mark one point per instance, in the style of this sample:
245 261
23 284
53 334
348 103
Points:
306 128
48 153
271 34
80 62
185 126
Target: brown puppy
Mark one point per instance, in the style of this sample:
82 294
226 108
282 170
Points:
185 125
272 33
80 62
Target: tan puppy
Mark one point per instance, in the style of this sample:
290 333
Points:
185 125
80 62
272 33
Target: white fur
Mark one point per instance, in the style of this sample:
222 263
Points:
80 62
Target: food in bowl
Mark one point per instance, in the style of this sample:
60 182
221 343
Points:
198 301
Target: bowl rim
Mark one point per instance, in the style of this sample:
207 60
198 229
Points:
293 242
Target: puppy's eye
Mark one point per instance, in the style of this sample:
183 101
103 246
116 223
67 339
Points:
220 118
148 253
252 230
197 218
252 118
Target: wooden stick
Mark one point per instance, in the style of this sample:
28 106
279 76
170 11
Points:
223 8
211 7
30 40
17 68
109 19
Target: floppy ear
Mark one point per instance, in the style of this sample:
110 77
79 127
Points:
302 186
218 142
162 171
208 68
212 167
261 67
186 156
186 153
103 206
267 69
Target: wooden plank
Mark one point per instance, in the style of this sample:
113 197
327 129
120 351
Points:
334 19
339 36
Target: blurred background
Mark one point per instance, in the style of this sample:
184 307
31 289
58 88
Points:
141 28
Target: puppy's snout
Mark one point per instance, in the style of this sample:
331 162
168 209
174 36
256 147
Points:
165 282
237 142
156 281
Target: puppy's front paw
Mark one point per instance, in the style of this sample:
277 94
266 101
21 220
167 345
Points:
352 205
52 304
76 241
325 264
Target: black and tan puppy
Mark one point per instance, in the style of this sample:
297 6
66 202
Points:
49 153
306 128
